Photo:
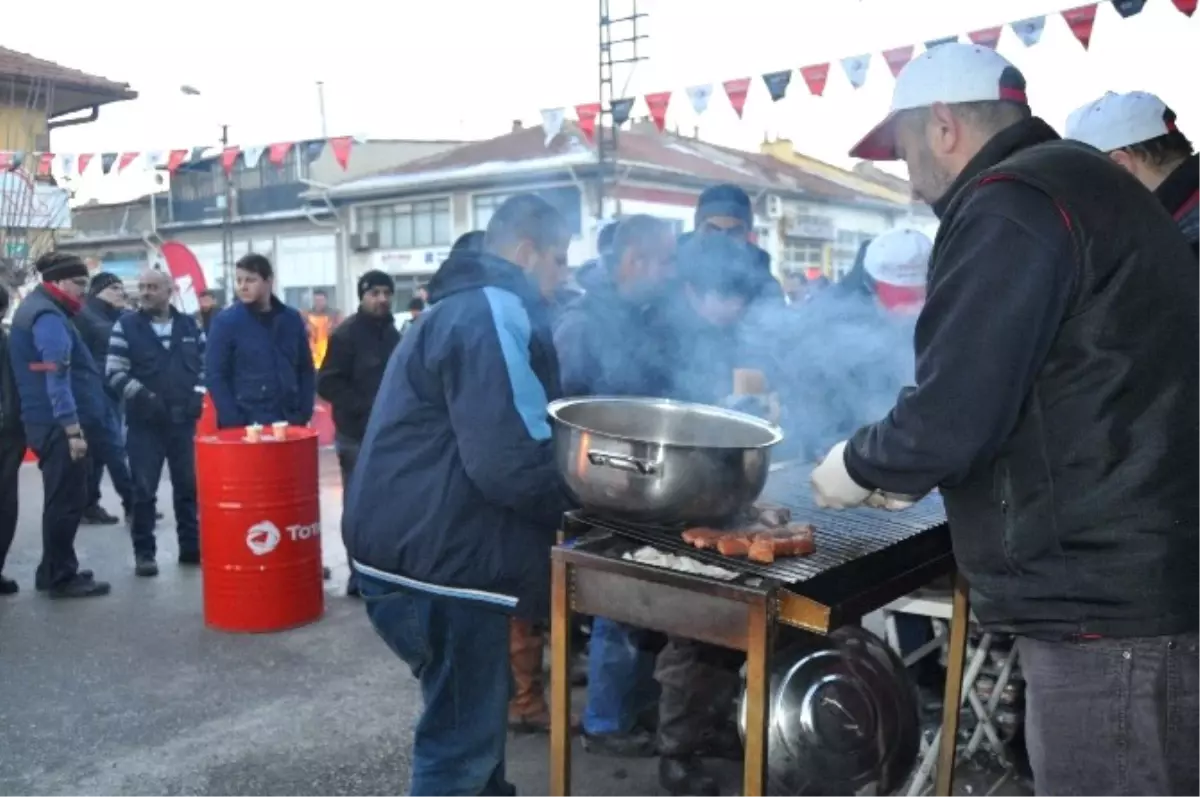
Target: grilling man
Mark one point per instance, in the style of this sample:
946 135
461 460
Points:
1055 406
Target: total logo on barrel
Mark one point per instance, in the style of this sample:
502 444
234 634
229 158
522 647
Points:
264 537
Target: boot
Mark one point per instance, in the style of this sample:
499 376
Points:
686 775
527 710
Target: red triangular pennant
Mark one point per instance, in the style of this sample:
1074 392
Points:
340 147
45 163
736 90
658 103
1081 20
897 58
84 159
1187 7
229 157
987 37
176 159
815 76
586 114
6 160
126 159
277 152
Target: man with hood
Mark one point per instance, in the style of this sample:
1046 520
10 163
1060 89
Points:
460 422
1137 130
1055 408
608 345
726 210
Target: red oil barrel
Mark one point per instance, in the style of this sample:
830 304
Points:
208 417
260 530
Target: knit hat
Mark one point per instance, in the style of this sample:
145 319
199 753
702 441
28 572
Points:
54 266
102 280
724 200
375 279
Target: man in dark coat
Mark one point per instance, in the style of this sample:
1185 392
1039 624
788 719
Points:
1056 408
12 450
727 210
104 305
350 376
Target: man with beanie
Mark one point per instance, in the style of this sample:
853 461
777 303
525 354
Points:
1137 130
104 305
62 392
1055 408
353 369
726 210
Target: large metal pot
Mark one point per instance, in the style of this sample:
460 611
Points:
661 461
843 716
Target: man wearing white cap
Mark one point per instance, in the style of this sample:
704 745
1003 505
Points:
1138 132
1056 407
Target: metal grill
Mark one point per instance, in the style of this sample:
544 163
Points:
851 542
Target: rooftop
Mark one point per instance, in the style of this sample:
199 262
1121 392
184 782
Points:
72 90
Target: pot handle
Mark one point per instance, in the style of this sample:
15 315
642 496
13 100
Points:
622 462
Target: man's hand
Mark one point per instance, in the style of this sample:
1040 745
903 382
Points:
831 483
892 502
76 445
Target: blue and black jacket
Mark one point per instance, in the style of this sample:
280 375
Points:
456 492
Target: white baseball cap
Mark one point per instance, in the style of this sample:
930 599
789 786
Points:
899 258
949 73
1116 121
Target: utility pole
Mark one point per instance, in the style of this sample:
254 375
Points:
321 105
607 150
227 222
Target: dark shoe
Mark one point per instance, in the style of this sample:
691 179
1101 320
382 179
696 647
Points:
98 516
42 586
724 743
146 567
638 743
80 587
189 557
8 586
684 776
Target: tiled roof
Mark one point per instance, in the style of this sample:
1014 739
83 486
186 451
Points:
22 65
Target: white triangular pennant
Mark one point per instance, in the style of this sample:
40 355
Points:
251 156
552 122
66 163
699 96
1029 31
156 159
855 67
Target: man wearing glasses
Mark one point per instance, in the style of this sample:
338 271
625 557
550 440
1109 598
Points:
62 390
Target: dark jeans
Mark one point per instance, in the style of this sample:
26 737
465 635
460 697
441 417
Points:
347 455
149 446
64 490
621 681
12 453
1113 716
700 684
106 449
459 652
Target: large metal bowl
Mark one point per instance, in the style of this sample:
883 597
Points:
660 461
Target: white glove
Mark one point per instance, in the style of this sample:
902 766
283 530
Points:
892 502
831 483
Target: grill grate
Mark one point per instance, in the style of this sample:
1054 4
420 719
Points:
842 537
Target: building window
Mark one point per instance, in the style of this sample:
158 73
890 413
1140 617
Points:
408 226
302 298
845 251
565 199
800 255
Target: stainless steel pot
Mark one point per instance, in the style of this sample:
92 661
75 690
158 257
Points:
661 461
843 716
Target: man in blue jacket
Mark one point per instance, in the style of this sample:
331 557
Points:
61 391
607 346
451 516
258 362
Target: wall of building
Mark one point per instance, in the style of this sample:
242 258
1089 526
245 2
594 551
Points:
22 129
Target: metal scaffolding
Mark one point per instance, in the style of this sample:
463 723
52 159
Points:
620 51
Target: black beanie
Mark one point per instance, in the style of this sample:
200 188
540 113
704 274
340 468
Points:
724 200
54 266
375 279
102 280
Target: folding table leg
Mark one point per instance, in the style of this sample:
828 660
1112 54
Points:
560 679
952 703
759 646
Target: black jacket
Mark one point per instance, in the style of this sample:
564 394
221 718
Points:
1056 397
95 323
769 289
10 398
1180 195
353 368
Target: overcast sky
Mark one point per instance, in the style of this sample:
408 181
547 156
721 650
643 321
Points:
467 68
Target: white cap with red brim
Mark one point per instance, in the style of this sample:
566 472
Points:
1116 121
949 74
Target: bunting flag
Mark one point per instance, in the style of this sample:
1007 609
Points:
126 159
66 164
156 158
198 153
84 160
229 157
586 114
658 103
777 83
277 153
815 76
1029 31
986 37
313 150
6 160
736 90
1187 7
340 147
856 67
1081 20
176 159
45 163
620 110
897 58
1128 8
107 159
552 122
929 45
252 155
699 96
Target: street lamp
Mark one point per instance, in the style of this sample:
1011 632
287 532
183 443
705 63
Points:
227 216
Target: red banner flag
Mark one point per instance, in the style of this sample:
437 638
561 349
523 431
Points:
586 114
1081 20
897 58
736 90
815 76
229 157
658 103
277 152
1187 7
45 163
340 147
987 37
126 159
176 159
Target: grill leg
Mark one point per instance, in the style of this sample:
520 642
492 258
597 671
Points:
560 680
952 703
758 683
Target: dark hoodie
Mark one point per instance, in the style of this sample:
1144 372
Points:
457 492
1180 194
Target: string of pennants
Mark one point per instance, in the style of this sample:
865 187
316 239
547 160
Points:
43 164
1080 20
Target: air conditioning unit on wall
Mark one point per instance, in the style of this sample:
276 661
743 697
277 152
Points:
774 207
364 241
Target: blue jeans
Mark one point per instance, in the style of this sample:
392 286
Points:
620 678
458 650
